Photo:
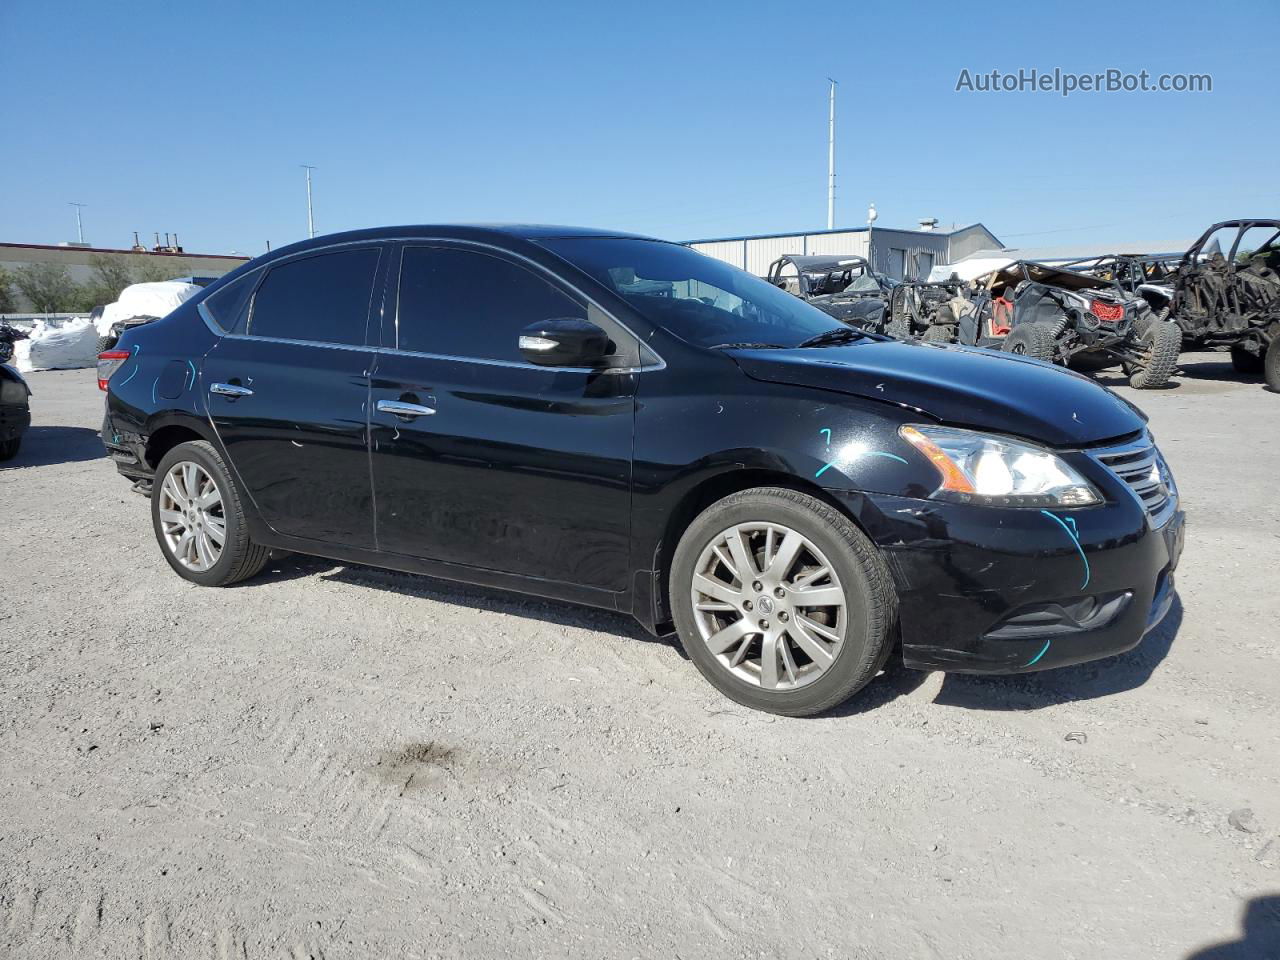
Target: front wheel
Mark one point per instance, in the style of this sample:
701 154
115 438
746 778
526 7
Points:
1031 340
1161 343
199 520
781 602
9 448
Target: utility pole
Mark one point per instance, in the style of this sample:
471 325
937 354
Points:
79 224
831 157
311 223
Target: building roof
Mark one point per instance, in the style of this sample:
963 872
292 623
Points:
861 229
76 248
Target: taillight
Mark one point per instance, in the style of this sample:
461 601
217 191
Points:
1107 312
108 363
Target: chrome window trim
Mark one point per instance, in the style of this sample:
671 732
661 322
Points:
515 364
362 348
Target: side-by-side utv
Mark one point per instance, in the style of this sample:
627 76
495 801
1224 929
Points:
844 287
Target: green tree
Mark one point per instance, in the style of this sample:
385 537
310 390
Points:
110 276
8 302
48 287
149 269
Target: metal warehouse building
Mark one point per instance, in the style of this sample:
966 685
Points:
901 254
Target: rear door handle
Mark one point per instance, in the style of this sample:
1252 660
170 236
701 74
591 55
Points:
402 409
230 390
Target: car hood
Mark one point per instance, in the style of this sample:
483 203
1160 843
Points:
957 385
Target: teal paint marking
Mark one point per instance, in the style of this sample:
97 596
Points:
153 389
193 374
823 470
1074 533
828 433
134 373
891 456
1043 651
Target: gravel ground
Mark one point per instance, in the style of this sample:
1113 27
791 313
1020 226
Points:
334 761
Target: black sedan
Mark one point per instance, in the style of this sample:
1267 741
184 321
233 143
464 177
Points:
622 422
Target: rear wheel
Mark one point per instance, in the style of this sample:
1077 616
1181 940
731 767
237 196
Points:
1161 343
199 520
1271 370
1031 340
781 602
1244 361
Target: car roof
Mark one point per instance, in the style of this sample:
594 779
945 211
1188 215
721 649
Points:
459 231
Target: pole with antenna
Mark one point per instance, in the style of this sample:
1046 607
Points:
79 223
311 223
831 157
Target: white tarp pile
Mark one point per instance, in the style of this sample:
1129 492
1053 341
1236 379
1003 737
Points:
969 270
66 345
145 300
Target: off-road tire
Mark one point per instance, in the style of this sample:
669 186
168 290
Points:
9 448
1242 361
937 333
241 558
106 343
1034 340
1271 365
1163 341
871 601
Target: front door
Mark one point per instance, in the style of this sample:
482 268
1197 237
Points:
288 397
517 468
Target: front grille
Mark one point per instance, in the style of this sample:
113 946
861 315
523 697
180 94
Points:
1140 465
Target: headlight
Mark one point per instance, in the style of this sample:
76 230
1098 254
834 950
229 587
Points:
997 471
11 391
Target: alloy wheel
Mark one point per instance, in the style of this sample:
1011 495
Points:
769 605
192 520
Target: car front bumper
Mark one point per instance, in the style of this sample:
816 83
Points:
983 590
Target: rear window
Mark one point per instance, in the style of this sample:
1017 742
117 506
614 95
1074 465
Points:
322 298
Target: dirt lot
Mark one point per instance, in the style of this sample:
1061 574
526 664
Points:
333 761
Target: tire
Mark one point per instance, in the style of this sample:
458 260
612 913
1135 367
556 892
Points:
1271 367
9 448
239 557
1032 340
1163 342
858 577
106 343
936 333
1242 361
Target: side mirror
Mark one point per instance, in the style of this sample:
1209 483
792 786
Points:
566 342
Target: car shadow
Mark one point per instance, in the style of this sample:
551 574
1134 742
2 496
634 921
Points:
1085 681
481 599
46 446
1259 935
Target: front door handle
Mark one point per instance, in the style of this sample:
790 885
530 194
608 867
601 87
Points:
402 409
230 390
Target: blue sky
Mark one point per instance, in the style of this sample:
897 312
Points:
680 120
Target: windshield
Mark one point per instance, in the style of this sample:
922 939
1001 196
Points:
700 300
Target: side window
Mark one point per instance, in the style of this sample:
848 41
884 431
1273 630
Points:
460 303
324 298
229 305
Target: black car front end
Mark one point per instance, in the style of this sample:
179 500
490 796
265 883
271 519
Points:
15 405
984 589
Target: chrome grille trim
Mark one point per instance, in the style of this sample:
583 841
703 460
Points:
1134 463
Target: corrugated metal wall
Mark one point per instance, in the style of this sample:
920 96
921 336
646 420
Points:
836 244
912 243
730 251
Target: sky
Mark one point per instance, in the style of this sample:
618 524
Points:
679 120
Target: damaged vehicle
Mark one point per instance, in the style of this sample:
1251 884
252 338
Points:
140 303
918 306
1069 318
627 424
15 395
844 287
1232 301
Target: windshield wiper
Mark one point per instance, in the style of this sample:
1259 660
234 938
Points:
836 335
747 346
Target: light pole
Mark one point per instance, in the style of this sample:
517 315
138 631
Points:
79 224
311 223
831 156
871 220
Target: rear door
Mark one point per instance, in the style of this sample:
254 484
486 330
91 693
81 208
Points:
518 468
288 390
